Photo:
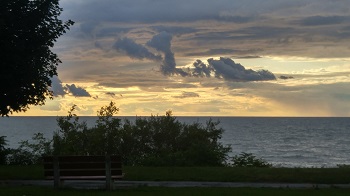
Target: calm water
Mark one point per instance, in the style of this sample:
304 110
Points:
288 142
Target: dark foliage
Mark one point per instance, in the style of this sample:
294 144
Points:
149 141
3 150
164 141
30 153
152 141
249 160
28 30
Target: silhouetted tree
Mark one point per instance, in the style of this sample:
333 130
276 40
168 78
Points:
28 30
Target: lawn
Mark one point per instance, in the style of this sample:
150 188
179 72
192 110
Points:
220 174
38 191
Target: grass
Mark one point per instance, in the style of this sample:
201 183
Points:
27 190
223 174
226 174
220 174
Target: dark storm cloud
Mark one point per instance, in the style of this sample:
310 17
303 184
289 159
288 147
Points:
149 11
162 43
174 30
135 50
111 31
224 68
59 90
323 20
249 33
229 70
201 69
57 87
77 91
260 32
97 29
225 51
235 18
201 26
88 27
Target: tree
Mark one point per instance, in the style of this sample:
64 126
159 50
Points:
3 150
149 141
28 31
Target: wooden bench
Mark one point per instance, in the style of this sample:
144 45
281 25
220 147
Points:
60 168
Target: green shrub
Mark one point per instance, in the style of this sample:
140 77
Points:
343 165
75 138
3 150
30 153
249 160
152 141
164 141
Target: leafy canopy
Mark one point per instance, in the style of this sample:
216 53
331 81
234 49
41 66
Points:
28 31
151 141
147 141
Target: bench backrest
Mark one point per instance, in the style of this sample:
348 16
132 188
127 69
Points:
82 166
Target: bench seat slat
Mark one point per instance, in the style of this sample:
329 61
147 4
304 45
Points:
48 166
84 172
61 168
82 158
114 177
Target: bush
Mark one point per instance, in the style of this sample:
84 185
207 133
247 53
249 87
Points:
152 141
343 165
30 153
249 160
164 141
74 138
3 150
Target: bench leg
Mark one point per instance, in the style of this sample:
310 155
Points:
58 184
56 170
109 181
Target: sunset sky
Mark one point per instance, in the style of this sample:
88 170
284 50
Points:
204 58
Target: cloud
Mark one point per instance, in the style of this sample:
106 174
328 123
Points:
224 68
162 43
229 17
227 69
201 69
110 94
51 106
279 28
323 20
88 27
285 77
56 87
60 90
226 51
174 30
77 91
134 50
187 95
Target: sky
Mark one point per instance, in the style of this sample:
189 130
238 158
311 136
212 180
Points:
203 58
